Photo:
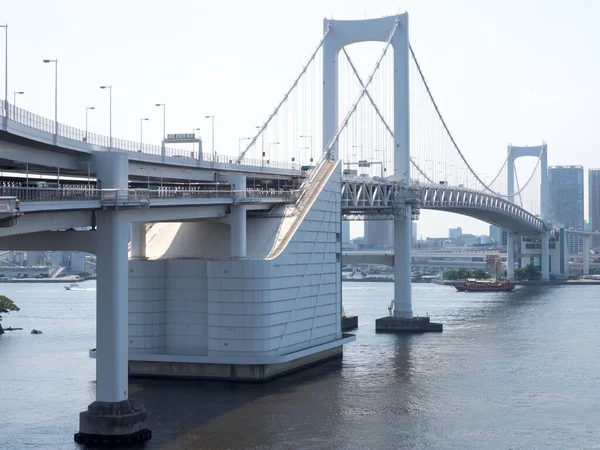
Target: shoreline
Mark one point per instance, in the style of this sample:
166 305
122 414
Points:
63 280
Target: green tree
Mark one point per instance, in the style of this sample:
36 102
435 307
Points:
6 306
450 274
462 274
480 274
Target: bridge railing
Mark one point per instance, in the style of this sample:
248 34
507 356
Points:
70 194
61 194
37 122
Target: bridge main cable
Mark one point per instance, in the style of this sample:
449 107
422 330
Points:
437 110
285 97
378 111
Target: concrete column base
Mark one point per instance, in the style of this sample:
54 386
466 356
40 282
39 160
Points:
406 325
349 323
113 424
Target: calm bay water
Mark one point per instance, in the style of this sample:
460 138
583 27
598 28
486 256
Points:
514 370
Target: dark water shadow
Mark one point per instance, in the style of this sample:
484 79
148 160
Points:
179 408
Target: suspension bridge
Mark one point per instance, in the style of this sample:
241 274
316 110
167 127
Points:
255 282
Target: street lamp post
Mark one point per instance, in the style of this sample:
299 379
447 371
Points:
240 140
110 140
262 146
15 93
212 135
55 61
87 109
5 26
199 152
445 169
382 163
269 148
164 107
142 120
361 149
311 146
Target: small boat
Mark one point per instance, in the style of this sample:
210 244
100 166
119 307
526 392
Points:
73 287
484 286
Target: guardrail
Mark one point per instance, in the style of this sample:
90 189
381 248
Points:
25 195
36 122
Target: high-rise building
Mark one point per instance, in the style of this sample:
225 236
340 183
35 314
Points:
455 233
414 233
565 198
345 232
498 236
594 201
379 233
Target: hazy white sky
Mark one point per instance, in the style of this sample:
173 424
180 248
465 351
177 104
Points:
519 71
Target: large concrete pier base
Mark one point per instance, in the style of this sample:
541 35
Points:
113 424
406 325
232 371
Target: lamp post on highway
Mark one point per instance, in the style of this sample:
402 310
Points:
164 108
109 114
87 109
5 26
383 162
361 149
262 145
199 149
142 120
240 140
269 148
15 93
311 146
55 61
212 135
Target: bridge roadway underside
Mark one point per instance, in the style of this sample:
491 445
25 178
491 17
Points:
56 221
494 217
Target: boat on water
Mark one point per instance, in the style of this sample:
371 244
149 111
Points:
74 287
484 286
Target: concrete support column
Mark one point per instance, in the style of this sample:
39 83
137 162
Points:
238 232
586 255
112 419
402 225
402 287
545 258
138 241
510 256
111 307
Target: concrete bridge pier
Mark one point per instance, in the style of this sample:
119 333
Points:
238 231
510 256
586 254
138 241
545 257
113 419
402 320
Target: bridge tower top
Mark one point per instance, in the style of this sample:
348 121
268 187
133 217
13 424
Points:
538 151
392 30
